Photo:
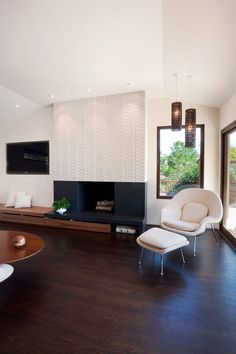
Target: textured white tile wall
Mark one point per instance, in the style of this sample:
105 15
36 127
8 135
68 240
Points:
100 139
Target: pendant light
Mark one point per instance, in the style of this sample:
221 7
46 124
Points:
190 122
176 110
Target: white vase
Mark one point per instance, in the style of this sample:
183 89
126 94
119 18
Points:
61 210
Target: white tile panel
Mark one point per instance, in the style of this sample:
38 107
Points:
100 139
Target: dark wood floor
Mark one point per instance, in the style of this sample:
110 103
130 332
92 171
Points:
85 294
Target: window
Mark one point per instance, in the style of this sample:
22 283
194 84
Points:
228 180
178 167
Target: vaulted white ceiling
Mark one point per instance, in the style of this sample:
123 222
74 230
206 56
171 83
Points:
65 47
199 40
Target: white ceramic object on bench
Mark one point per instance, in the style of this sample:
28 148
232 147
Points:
61 211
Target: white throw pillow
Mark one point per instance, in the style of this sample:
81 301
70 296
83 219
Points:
194 212
11 199
23 201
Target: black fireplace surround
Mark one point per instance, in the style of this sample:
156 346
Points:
129 202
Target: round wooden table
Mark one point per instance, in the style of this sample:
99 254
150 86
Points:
10 254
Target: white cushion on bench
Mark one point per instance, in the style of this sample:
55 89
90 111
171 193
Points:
23 201
11 198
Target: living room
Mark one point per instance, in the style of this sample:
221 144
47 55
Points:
96 81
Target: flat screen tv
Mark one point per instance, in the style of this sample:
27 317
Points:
28 157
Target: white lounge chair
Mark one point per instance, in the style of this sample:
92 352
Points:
190 210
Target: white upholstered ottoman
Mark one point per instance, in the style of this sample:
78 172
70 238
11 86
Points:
162 242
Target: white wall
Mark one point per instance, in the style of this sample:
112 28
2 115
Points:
228 112
36 126
100 139
39 126
159 115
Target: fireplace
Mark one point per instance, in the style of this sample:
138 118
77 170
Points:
90 193
128 201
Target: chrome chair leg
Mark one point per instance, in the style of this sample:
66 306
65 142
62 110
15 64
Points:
141 256
182 254
162 264
195 245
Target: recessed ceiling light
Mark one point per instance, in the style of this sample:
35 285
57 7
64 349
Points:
17 105
51 96
88 90
129 84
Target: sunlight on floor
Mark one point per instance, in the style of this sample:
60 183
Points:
231 220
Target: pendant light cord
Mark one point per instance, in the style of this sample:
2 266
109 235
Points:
176 85
190 90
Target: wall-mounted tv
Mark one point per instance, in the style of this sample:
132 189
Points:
28 157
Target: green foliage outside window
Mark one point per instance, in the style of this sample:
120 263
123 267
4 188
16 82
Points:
181 167
232 166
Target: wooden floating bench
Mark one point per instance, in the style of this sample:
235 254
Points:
108 219
36 216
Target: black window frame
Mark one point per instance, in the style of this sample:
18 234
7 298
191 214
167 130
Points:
202 153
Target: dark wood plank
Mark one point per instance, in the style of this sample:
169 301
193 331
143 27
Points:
35 216
77 225
34 210
85 294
